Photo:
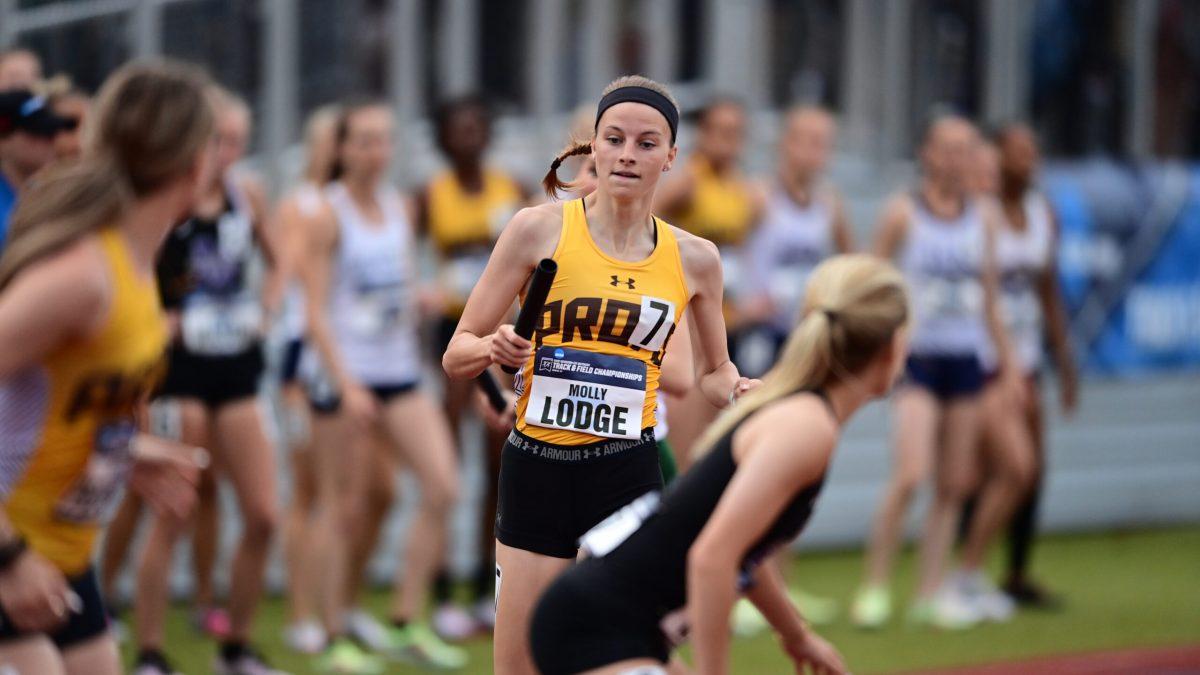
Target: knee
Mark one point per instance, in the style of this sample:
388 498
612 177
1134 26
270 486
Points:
955 489
260 521
905 485
440 494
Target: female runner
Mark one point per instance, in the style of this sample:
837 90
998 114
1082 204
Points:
462 210
82 337
1013 434
711 198
360 277
584 440
662 569
943 237
211 284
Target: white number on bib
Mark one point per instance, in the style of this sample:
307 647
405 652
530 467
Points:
219 326
654 324
598 394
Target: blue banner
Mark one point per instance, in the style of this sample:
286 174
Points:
1129 263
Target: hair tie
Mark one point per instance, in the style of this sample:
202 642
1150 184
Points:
555 164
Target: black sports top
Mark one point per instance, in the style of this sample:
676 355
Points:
652 561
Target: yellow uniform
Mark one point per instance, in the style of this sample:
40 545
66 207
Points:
721 210
603 331
66 424
464 225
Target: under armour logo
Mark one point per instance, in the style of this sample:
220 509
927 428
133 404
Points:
616 281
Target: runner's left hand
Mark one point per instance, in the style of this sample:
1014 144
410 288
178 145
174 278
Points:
813 651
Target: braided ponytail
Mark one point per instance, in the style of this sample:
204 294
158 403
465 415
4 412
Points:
551 183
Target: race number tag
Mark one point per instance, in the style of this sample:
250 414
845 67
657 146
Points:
93 496
213 326
598 394
462 274
615 529
378 310
654 324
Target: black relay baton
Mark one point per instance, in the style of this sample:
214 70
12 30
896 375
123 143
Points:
531 309
491 388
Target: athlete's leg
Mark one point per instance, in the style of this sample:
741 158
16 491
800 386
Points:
118 537
523 578
1024 523
431 455
150 601
380 481
298 522
248 459
456 401
959 443
914 435
96 656
483 586
32 654
1010 471
206 534
340 450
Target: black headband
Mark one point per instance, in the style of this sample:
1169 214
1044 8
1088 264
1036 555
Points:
635 94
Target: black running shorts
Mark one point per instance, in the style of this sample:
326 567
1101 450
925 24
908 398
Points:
551 495
81 626
214 380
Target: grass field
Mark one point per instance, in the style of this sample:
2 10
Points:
1123 590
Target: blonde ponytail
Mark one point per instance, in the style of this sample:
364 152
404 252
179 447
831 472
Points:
853 306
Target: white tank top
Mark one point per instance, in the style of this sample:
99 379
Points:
372 308
308 199
942 260
1022 256
791 241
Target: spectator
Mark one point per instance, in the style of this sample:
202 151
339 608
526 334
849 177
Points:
27 131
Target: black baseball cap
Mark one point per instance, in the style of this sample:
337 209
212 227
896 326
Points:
21 110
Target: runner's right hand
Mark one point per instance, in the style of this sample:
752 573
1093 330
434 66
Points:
360 405
35 594
508 348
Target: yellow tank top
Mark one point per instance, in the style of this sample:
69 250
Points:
601 338
721 209
463 227
68 453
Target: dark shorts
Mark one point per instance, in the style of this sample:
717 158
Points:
946 377
330 402
544 505
81 627
289 371
586 621
214 380
446 326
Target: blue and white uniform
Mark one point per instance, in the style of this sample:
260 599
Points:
1022 257
942 259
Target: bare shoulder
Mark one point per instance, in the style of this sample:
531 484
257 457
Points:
699 255
75 278
803 414
898 206
537 223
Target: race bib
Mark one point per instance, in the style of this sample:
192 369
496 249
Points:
378 310
221 326
598 394
611 532
462 274
947 298
94 495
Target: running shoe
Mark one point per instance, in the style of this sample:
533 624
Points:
211 621
989 601
305 637
485 613
747 621
1031 595
344 657
366 630
249 662
815 609
872 607
453 622
417 645
153 662
947 610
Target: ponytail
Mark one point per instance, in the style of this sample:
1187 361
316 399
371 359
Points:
151 122
551 183
854 304
60 205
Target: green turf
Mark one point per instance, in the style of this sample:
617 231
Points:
1122 590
